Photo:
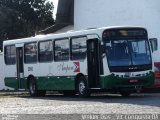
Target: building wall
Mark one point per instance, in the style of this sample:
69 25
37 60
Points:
100 13
65 29
1 73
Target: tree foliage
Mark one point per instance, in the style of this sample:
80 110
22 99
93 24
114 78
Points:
22 18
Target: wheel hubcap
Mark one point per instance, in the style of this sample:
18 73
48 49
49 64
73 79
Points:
81 87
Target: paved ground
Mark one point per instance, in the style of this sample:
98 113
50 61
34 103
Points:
59 104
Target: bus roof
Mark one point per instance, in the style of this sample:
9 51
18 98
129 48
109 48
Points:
53 36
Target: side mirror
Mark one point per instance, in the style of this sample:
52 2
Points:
154 44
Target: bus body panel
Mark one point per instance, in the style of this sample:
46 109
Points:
10 76
57 75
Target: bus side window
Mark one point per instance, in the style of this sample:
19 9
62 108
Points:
78 48
10 54
45 51
30 52
61 50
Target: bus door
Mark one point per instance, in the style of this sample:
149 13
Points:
19 63
93 62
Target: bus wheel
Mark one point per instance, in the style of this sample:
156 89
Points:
82 87
125 94
33 88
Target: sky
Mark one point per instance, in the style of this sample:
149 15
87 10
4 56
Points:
55 3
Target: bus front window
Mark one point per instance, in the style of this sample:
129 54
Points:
123 54
139 52
118 53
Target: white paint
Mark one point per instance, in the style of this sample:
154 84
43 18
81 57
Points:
19 45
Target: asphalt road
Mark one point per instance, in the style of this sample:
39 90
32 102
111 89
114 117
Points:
96 104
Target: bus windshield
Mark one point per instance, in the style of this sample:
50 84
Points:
131 52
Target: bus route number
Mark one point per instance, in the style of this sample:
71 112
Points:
30 68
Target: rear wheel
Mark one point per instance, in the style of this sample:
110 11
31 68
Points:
33 88
83 90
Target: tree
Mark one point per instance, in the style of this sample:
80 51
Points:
22 18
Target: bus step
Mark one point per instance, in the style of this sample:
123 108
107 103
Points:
95 88
21 89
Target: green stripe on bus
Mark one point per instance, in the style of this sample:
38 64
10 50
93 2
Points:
44 83
13 82
112 81
68 83
55 83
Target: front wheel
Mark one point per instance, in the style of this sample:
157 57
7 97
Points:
83 90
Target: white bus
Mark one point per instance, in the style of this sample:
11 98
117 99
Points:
116 59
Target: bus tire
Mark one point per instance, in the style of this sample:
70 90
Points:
33 88
125 93
83 90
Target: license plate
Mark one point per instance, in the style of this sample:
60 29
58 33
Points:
133 81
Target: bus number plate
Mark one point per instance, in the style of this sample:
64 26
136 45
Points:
30 68
133 81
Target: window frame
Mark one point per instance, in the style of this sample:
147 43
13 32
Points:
71 46
59 39
9 54
39 51
25 53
